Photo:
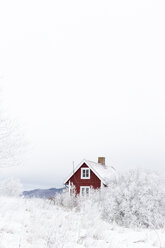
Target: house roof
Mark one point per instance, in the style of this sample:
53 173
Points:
103 172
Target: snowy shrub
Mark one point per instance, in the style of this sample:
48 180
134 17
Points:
95 199
136 199
66 200
11 187
79 202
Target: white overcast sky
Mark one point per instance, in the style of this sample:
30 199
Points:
84 79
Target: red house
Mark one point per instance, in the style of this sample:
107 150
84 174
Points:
89 175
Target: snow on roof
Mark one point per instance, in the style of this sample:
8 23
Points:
103 172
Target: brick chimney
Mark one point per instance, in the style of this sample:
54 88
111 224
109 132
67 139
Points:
101 160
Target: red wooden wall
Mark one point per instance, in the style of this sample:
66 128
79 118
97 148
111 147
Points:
94 181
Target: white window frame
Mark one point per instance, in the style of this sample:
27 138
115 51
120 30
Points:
84 187
86 169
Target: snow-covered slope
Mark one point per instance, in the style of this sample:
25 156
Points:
37 223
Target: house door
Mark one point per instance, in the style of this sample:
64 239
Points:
84 190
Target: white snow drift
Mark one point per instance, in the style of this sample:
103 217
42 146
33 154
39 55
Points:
129 213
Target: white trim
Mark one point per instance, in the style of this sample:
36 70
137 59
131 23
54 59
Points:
86 169
79 165
102 185
69 187
84 187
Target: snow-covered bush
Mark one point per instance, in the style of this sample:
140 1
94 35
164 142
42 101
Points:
11 187
136 199
79 202
66 200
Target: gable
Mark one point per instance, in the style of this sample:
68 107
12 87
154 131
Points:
77 174
84 163
77 180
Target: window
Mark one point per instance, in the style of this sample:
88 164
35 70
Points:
84 190
85 173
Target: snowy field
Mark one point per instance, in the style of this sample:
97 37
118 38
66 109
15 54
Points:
39 223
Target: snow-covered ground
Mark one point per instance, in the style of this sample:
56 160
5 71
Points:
38 223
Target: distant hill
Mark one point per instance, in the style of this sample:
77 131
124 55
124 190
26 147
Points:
42 193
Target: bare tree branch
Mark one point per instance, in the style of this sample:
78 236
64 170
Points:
11 145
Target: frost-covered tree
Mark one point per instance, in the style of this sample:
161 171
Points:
11 141
136 199
11 187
